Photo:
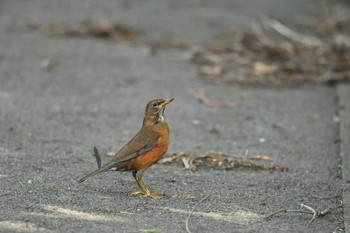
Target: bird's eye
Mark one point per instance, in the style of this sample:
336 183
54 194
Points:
154 104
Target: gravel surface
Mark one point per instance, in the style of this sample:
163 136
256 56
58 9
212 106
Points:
93 93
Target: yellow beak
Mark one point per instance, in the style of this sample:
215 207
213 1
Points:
166 102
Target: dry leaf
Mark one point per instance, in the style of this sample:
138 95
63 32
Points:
219 161
263 68
212 71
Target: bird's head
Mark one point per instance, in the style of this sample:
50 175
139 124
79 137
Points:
155 110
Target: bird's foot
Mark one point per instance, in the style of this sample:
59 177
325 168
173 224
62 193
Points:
147 193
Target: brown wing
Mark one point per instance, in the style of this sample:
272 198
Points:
144 141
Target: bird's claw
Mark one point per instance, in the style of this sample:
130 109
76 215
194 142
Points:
147 193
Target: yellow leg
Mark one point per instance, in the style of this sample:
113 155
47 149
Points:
143 190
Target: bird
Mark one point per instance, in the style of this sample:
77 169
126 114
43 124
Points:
146 148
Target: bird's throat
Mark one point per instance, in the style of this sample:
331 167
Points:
160 118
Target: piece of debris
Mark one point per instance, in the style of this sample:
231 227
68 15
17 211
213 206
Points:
46 64
171 43
152 48
215 71
220 161
263 68
188 163
309 210
172 158
214 130
293 35
201 95
87 29
262 140
273 54
196 122
149 230
194 208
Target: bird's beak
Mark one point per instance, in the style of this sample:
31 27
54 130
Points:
166 102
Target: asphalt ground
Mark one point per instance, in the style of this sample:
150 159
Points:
94 95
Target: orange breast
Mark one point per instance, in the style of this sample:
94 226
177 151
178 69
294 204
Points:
151 157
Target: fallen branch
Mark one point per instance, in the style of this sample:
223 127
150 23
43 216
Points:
194 208
309 210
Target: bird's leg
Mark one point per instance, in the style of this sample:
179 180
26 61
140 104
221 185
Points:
143 190
147 192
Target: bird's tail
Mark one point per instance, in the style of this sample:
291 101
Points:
91 174
100 169
97 157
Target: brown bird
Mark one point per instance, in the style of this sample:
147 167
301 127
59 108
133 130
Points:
144 149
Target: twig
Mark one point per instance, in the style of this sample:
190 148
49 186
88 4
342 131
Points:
287 211
194 208
314 213
293 35
188 163
309 210
201 95
324 212
171 159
